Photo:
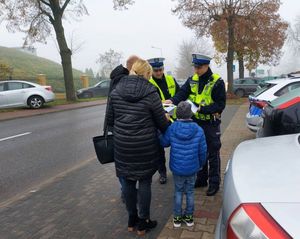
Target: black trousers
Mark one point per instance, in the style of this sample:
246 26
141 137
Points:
138 200
162 170
212 169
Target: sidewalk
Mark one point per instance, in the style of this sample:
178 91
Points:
32 112
207 208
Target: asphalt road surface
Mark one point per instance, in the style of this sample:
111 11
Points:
34 149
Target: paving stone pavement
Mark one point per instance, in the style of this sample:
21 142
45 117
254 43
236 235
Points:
82 204
207 208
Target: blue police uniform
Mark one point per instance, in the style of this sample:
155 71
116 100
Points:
206 118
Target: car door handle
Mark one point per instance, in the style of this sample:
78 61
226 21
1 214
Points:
23 91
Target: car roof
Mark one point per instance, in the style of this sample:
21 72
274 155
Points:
19 81
283 80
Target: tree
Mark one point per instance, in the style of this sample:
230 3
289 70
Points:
186 49
259 38
37 18
202 14
108 61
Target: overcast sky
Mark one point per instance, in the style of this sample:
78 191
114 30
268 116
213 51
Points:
147 23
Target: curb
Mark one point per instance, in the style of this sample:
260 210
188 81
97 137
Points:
96 103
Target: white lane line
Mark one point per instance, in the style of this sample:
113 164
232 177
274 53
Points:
15 136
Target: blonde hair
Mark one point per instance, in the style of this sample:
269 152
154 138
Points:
141 68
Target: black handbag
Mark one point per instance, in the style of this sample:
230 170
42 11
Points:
104 147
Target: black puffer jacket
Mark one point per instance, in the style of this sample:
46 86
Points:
136 113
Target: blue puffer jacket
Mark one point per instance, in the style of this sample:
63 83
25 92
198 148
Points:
188 147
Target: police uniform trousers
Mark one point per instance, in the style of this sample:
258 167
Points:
211 170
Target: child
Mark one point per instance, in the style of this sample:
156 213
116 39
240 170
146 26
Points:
187 156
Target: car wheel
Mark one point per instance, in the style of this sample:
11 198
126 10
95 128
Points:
88 95
240 93
35 102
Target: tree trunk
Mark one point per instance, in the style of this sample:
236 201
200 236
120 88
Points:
241 66
66 59
230 54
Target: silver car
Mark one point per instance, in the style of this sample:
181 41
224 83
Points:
23 93
262 190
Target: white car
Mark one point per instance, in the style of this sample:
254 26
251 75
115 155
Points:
271 91
23 93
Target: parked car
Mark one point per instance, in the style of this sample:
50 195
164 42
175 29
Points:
22 93
261 196
272 90
245 86
281 116
98 90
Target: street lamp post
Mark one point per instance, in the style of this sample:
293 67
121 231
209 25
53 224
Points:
158 48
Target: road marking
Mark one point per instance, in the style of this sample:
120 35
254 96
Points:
15 136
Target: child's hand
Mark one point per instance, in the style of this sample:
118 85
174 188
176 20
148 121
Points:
168 116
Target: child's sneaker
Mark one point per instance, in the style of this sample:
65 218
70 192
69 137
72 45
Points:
177 221
189 220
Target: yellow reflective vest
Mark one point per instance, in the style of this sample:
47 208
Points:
170 83
204 98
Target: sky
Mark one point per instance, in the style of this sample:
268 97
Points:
146 24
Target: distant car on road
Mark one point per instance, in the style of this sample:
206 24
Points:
261 196
98 90
281 116
22 93
245 86
271 91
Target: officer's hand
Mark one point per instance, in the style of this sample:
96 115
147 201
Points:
168 116
167 102
199 108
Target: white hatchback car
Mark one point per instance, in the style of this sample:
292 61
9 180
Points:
23 93
271 91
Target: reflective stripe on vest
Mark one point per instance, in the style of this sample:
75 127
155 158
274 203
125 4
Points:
171 86
203 99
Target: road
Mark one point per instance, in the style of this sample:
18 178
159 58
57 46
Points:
34 149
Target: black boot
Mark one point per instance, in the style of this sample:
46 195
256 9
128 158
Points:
145 225
212 190
132 222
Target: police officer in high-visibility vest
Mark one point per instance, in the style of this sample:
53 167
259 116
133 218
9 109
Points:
207 91
167 87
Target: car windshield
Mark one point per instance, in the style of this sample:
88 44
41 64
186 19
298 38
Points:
262 90
285 98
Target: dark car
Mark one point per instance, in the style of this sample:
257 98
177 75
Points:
281 116
98 90
245 86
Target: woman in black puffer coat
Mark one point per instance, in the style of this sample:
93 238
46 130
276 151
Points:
136 113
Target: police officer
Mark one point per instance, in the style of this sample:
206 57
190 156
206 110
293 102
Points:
207 91
167 87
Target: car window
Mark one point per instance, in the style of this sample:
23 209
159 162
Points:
25 86
1 86
287 88
249 82
104 84
263 89
285 98
15 86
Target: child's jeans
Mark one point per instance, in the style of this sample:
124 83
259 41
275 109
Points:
184 185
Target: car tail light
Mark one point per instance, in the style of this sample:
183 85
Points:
49 88
289 103
253 221
260 104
